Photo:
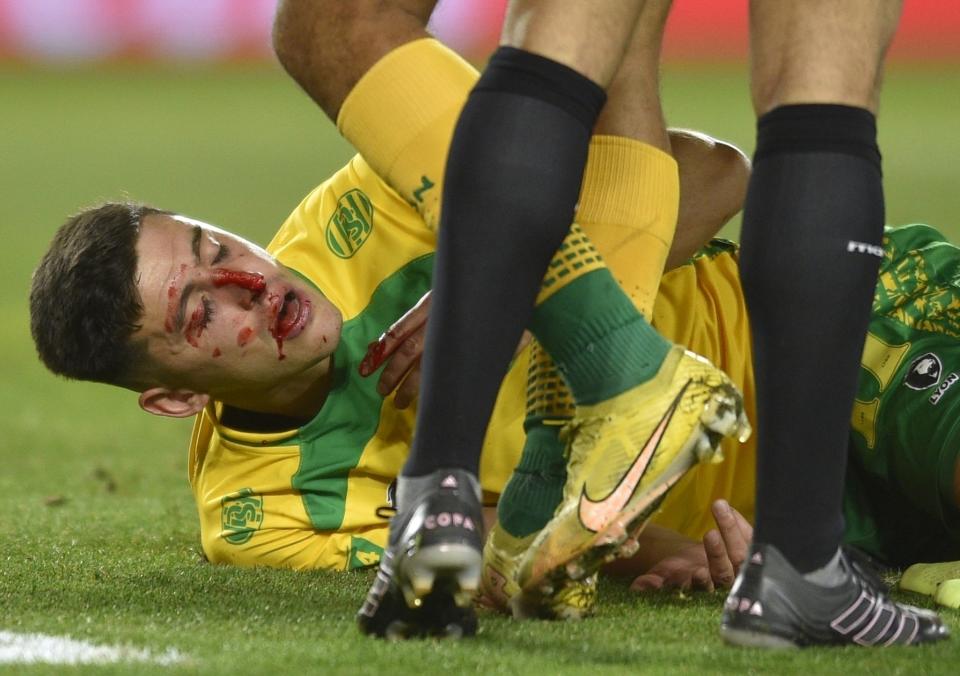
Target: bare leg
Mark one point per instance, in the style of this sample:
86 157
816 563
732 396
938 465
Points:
811 248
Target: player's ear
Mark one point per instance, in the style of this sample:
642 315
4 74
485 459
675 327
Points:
172 403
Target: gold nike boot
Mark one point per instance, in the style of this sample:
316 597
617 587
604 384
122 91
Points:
499 590
625 454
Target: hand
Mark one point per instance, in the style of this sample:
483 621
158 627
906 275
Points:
707 565
726 546
401 348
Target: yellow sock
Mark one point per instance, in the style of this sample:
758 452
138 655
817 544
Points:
627 215
401 114
576 257
628 208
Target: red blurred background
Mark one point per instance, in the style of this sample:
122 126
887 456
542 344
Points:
60 31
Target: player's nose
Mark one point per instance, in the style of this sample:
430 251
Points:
251 281
245 286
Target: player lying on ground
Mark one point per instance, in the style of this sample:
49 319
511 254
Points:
295 447
259 491
580 306
276 482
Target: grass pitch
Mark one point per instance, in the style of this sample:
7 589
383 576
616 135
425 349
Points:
98 534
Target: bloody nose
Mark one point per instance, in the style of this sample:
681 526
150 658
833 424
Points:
252 281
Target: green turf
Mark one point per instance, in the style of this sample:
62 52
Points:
113 557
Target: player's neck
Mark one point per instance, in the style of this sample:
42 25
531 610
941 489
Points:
300 397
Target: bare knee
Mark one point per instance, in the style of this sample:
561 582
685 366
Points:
327 45
713 185
820 51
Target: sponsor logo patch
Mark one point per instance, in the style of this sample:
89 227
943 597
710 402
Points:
947 383
351 224
241 515
865 247
363 553
924 372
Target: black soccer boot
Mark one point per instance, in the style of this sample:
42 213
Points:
771 605
430 572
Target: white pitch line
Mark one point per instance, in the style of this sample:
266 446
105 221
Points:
44 649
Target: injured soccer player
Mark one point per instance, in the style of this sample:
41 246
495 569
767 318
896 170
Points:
303 375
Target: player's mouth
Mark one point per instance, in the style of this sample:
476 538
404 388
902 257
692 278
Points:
291 313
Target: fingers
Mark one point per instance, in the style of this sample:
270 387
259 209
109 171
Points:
734 531
720 567
411 327
702 579
409 388
404 360
746 529
647 582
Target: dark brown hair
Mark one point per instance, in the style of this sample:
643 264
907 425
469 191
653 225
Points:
84 301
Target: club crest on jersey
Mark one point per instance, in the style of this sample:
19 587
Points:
924 372
241 515
351 224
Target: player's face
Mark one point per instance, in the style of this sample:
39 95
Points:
221 315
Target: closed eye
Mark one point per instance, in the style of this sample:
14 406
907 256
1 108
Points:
222 253
208 312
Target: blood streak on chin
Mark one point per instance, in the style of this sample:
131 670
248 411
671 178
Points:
246 333
248 280
277 337
216 352
275 302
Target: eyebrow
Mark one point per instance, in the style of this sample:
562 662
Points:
197 233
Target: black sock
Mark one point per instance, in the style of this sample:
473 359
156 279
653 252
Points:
811 249
513 177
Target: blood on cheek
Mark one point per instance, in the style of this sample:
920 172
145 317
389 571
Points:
195 327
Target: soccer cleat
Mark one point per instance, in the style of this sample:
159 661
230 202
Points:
499 589
939 580
771 605
429 575
625 455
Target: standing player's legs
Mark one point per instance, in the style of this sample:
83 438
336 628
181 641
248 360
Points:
811 240
512 179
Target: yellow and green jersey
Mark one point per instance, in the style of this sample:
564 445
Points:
906 420
899 502
309 497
